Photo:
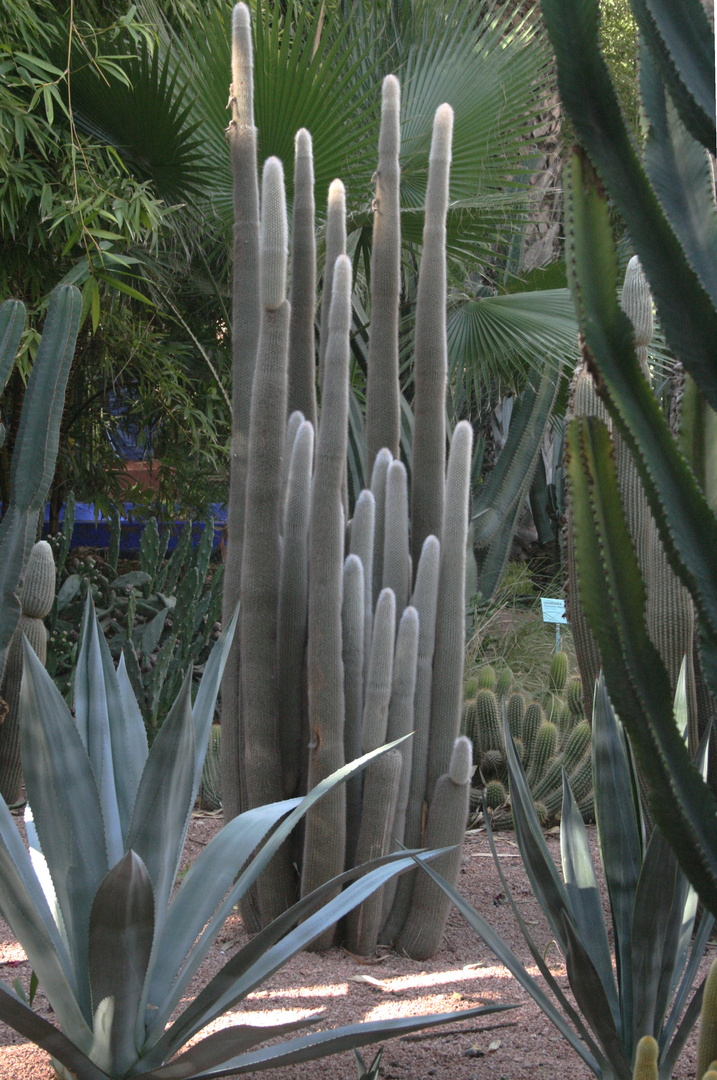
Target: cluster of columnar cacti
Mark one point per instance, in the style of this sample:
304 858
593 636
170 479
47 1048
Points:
549 736
670 615
36 598
351 632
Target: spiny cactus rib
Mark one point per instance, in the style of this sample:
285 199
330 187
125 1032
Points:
335 246
429 432
425 601
383 413
273 236
516 714
486 678
261 554
292 611
363 529
378 490
531 725
646 1059
37 595
558 672
396 552
381 786
325 835
450 617
546 744
245 339
447 817
489 734
352 633
503 682
302 361
575 697
380 673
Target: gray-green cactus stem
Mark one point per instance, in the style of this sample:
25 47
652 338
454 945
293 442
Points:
378 489
293 596
362 543
293 424
352 627
429 431
446 824
302 351
245 339
396 549
380 673
447 690
383 410
335 246
325 834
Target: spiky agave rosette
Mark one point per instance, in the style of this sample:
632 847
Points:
90 903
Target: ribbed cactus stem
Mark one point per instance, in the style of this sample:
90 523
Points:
646 1059
37 594
352 631
245 338
292 612
293 424
335 246
325 834
558 672
274 236
707 1043
488 722
636 302
516 714
302 351
383 413
546 743
446 824
381 786
450 616
424 600
396 551
429 432
378 490
531 726
363 527
380 673
400 723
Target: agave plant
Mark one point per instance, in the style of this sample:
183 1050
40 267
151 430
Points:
653 910
90 903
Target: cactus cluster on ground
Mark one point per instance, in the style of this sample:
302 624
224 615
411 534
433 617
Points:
351 631
550 734
162 617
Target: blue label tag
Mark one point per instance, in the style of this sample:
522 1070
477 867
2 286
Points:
553 610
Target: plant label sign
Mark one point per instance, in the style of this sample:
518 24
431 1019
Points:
554 612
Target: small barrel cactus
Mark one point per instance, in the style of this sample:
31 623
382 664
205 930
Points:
575 696
486 678
558 672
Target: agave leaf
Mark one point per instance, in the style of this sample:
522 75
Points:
201 891
203 710
62 791
679 37
584 896
667 1047
592 1000
686 315
129 742
43 1034
668 1061
121 933
324 1043
25 909
39 865
540 868
680 172
654 901
93 701
613 597
12 324
619 837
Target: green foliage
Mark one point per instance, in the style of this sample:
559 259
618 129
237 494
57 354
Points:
112 956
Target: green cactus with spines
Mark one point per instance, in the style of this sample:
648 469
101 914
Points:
586 806
488 730
396 550
574 697
566 722
558 672
302 365
447 817
552 705
576 746
646 1059
503 682
519 748
149 553
37 594
210 787
531 726
707 1041
470 687
493 762
383 413
545 746
495 794
516 714
486 678
469 720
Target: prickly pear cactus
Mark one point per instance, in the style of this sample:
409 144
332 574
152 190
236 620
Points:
37 594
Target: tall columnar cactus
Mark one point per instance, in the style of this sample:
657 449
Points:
353 627
707 1044
36 598
335 246
396 552
245 339
302 365
383 410
431 354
